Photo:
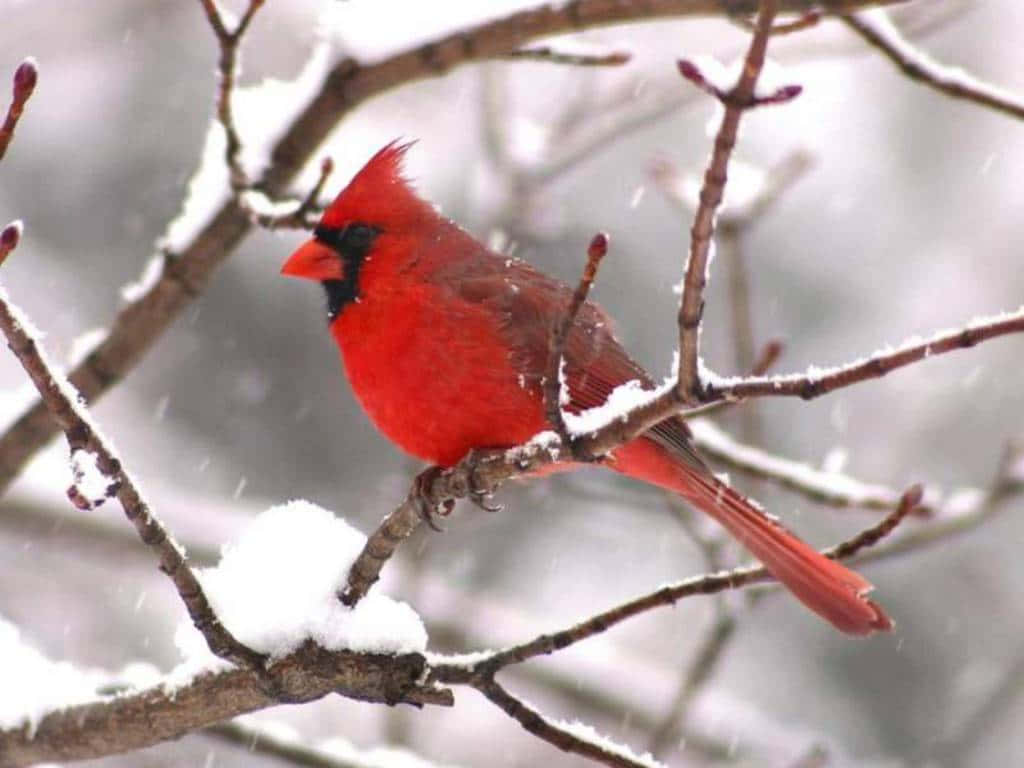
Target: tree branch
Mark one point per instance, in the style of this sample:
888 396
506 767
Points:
566 739
347 85
553 383
736 102
83 435
456 672
878 30
140 719
227 64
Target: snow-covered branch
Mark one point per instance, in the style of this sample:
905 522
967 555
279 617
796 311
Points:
736 100
219 225
68 410
877 28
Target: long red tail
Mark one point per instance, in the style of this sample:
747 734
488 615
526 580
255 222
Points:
832 591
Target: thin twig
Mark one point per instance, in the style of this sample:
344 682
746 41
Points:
800 23
82 434
306 213
227 65
877 28
350 83
668 595
553 375
543 728
551 55
815 384
832 488
736 102
482 473
25 77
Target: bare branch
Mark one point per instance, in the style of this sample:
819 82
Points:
82 434
739 99
560 334
804 21
227 65
139 324
668 595
25 77
877 29
558 735
551 55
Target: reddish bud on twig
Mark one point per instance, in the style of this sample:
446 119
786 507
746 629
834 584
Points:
780 95
326 166
9 239
598 247
25 77
692 72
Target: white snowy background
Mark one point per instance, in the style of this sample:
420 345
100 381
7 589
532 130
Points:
909 221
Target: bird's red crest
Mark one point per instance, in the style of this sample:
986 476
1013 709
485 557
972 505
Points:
379 194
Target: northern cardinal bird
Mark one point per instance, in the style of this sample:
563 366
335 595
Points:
445 344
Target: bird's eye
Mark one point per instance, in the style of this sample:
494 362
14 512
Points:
357 236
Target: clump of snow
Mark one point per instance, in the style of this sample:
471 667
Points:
623 399
34 685
547 441
153 271
276 587
262 115
91 483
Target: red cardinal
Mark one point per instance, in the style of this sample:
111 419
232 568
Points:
445 344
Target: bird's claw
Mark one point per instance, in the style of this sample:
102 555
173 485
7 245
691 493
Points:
485 501
427 508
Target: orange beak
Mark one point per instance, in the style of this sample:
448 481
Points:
314 261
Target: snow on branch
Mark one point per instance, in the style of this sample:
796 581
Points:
833 488
736 100
556 390
34 685
212 225
669 594
137 717
105 469
817 381
877 28
274 589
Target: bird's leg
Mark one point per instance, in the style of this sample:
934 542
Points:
428 504
477 490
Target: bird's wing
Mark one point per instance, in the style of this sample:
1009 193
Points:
527 303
